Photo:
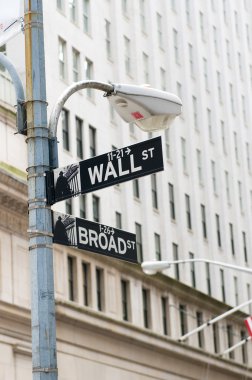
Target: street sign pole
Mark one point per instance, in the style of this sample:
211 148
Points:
44 362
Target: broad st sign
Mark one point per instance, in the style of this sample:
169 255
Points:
108 169
94 237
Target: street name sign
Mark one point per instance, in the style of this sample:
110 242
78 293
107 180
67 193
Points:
108 169
94 237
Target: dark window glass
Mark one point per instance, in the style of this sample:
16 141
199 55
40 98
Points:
92 141
183 319
188 212
172 202
86 282
99 288
79 137
139 244
164 305
125 299
65 129
154 191
96 209
146 307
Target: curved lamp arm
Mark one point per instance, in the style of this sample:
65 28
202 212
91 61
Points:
19 90
152 267
54 117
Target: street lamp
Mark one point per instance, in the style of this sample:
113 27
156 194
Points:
150 109
152 267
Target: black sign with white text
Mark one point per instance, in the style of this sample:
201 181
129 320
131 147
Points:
108 169
94 237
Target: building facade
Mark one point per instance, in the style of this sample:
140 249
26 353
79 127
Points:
113 321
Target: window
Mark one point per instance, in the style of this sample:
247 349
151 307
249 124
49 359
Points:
224 2
215 37
208 279
227 186
219 87
210 124
244 350
69 206
205 71
60 5
92 141
228 53
79 137
199 166
199 319
175 46
244 246
157 247
248 36
214 177
172 201
89 74
223 137
163 80
96 209
125 299
76 65
86 283
146 307
164 306
230 339
83 213
223 293
179 90
236 291
86 16
231 232
73 10
192 270
100 289
136 191
65 129
139 244
202 25
240 65
216 338
188 212
160 30
188 12
217 219
167 144
175 258
154 191
127 55
240 195
108 38
236 148
62 58
2 50
71 266
118 217
183 319
249 298
231 93
143 15
244 110
125 6
236 23
195 113
191 60
183 149
203 221
146 68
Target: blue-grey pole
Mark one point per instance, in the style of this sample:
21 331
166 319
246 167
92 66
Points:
44 361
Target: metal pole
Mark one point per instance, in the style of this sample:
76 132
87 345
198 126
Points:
44 360
241 343
214 320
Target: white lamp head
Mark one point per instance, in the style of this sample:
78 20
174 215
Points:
152 267
148 108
